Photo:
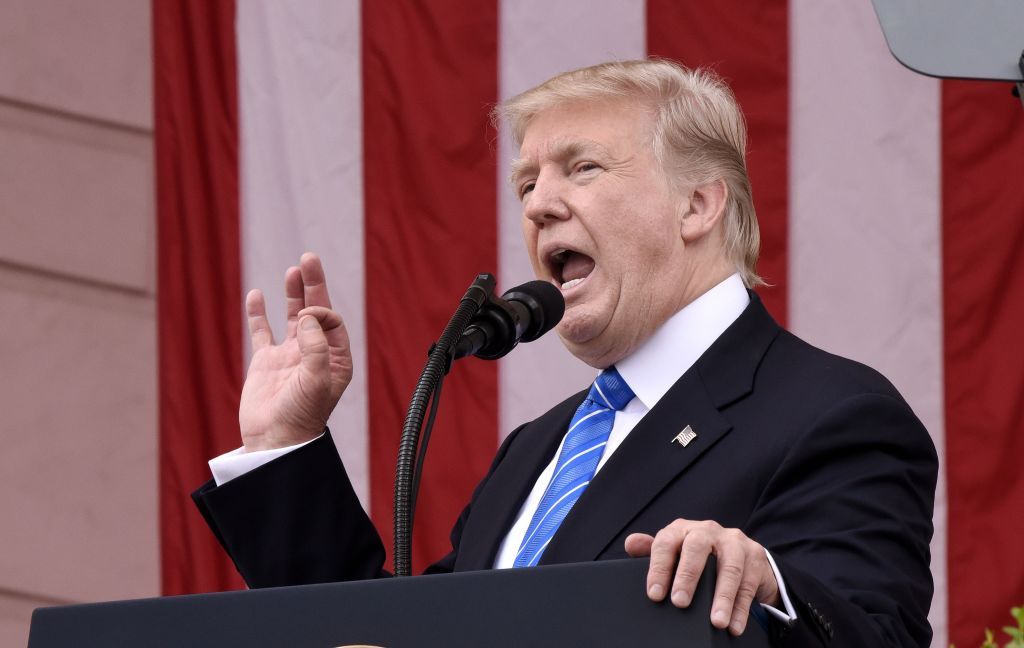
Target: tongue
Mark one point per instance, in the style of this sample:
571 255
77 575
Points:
577 266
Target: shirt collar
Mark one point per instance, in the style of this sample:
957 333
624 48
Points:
660 361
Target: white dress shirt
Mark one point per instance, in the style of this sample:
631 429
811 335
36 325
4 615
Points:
650 371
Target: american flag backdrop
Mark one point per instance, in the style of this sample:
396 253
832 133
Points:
891 208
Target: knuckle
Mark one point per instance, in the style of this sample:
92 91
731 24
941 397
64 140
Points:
746 591
673 529
660 568
698 539
731 571
659 543
665 539
726 598
688 573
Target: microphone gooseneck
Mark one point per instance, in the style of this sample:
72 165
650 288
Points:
483 325
439 362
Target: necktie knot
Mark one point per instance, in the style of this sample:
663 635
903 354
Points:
610 390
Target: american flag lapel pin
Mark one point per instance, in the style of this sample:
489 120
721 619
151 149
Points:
685 437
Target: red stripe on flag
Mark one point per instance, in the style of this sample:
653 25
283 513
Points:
983 303
198 269
748 44
429 76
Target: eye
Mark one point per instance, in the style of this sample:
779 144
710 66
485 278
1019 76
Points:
583 167
526 188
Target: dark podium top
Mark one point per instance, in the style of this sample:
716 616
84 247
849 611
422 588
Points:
587 604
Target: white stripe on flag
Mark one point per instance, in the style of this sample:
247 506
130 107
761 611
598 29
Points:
300 109
539 39
865 215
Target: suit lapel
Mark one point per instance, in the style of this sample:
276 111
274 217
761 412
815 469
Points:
648 460
496 506
641 467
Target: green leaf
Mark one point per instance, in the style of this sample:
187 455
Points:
989 640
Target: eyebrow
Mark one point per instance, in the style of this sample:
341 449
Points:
561 150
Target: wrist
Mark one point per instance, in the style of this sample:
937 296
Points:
275 440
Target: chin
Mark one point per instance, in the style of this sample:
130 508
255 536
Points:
579 333
577 326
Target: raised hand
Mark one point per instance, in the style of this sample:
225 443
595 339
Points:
292 387
678 555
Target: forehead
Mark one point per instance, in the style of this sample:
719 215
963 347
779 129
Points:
609 127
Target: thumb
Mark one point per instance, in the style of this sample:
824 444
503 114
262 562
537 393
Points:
313 346
639 544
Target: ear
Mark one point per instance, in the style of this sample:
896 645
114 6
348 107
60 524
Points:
706 210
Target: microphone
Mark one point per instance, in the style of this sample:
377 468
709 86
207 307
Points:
524 313
485 326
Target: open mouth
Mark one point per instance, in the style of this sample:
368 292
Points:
570 268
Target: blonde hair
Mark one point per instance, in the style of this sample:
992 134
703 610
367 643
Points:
699 132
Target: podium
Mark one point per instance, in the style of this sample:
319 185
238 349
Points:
586 604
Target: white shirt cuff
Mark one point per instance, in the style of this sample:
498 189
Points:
238 462
789 616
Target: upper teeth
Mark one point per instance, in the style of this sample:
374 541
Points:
569 284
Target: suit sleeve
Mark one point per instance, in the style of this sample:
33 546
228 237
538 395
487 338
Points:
296 520
293 521
847 517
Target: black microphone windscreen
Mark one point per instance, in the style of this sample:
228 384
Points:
545 303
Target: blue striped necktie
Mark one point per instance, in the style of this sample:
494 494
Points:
577 462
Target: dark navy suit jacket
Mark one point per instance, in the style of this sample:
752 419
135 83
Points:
816 457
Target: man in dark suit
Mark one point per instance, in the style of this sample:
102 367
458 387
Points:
710 431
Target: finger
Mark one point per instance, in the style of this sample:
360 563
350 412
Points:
314 281
693 557
744 599
294 296
256 315
638 545
731 572
664 556
313 347
331 324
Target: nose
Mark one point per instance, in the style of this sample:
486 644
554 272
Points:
546 203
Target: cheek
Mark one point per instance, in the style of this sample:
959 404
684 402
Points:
643 256
530 238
